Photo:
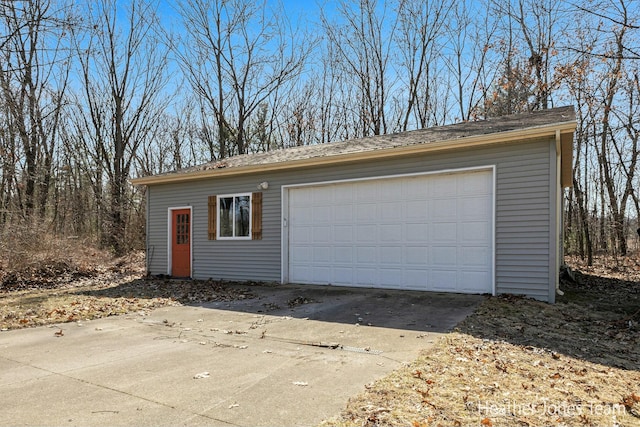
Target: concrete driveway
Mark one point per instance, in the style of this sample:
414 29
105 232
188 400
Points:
292 355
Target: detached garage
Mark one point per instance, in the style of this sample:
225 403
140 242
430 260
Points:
472 207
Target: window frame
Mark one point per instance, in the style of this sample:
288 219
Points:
219 222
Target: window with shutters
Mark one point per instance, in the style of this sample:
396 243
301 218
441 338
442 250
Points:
235 216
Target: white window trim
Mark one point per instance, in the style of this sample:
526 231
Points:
219 224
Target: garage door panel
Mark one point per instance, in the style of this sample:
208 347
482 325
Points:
322 254
416 255
343 233
302 215
390 233
390 277
365 191
442 186
475 207
444 256
322 215
366 233
301 255
366 254
343 214
366 276
473 281
390 255
443 209
343 255
300 236
389 211
321 234
302 272
416 279
443 280
469 184
474 256
417 187
323 196
345 196
416 210
389 190
475 231
366 212
427 232
342 275
321 273
444 232
416 232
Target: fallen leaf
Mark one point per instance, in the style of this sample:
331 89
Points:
59 333
201 375
486 422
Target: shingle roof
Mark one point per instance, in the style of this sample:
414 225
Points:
436 135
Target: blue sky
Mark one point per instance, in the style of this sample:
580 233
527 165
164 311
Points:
306 11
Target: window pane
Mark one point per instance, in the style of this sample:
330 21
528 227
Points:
242 209
226 216
182 229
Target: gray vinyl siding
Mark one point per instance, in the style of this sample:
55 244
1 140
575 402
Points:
524 214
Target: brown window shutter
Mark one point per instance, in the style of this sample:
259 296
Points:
212 217
256 216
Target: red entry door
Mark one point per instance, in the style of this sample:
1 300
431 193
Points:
181 243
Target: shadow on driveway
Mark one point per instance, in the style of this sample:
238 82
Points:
232 354
409 310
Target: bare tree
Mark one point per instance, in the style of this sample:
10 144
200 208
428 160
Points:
123 71
608 145
237 54
362 40
601 80
33 82
420 41
474 52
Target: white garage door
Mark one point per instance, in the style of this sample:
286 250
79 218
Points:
426 232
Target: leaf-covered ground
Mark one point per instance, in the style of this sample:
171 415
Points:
520 362
59 292
514 362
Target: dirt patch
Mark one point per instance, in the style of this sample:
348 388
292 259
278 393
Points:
294 302
520 362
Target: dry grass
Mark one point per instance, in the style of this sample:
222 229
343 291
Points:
466 381
30 257
519 362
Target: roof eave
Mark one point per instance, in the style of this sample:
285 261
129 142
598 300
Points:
448 144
